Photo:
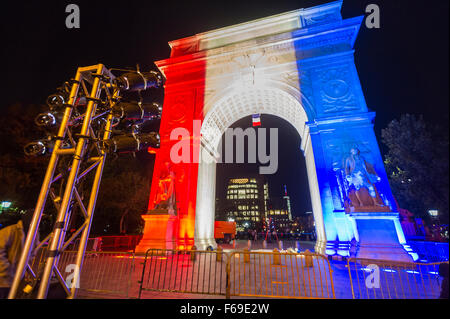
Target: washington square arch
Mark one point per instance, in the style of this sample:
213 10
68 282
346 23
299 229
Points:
298 66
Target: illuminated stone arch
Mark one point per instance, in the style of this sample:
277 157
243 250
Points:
236 103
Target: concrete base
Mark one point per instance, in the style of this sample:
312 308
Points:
204 243
380 237
159 232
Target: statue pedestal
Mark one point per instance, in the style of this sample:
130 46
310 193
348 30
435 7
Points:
380 236
159 231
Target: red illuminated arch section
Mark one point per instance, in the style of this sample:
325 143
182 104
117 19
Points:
183 104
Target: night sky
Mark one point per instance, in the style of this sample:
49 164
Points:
403 66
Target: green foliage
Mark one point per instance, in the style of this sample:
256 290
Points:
417 165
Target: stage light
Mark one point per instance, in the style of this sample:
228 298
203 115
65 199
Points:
49 119
137 110
55 101
136 81
132 142
37 148
43 147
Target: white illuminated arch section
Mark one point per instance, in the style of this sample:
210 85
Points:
234 104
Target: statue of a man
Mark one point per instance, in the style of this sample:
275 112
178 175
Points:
360 173
165 196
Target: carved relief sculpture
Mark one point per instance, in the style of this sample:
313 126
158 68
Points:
165 197
358 179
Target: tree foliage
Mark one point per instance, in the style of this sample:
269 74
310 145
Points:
417 165
124 189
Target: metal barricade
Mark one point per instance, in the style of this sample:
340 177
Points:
241 273
184 271
382 279
280 275
102 272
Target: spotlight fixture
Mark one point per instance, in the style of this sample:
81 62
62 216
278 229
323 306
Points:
36 148
136 81
42 147
49 119
56 101
137 110
132 142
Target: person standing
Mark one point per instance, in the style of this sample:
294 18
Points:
11 244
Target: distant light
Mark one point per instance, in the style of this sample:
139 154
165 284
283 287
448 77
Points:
389 270
6 204
433 212
412 272
434 272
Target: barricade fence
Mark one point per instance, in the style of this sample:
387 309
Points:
280 275
382 279
186 271
102 272
243 273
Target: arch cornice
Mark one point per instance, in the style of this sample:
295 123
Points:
274 97
215 96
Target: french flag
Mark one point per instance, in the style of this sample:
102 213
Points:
256 119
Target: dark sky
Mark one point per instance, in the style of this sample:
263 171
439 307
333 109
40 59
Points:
403 66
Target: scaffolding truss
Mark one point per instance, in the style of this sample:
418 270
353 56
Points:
72 179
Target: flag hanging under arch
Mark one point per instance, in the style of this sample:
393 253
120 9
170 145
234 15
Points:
256 119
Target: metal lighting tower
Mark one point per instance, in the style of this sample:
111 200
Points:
78 153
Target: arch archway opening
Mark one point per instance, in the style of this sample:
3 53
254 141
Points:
238 104
279 201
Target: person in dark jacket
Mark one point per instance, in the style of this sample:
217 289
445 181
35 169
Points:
11 244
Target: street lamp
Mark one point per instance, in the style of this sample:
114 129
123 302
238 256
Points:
6 204
433 212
